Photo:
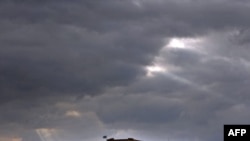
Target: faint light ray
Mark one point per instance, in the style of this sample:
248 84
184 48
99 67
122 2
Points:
189 83
46 134
155 69
137 3
40 135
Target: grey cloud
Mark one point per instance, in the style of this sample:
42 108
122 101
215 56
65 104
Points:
71 61
54 51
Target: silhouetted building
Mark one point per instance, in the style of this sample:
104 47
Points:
128 139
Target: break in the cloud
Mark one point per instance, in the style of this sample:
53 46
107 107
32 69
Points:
76 70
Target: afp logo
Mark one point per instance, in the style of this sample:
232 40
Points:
236 132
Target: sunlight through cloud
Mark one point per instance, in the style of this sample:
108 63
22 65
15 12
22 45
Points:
73 113
151 70
183 43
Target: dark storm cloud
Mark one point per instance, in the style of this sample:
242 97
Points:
67 57
52 46
60 51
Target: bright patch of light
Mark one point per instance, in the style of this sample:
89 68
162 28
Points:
176 43
151 70
183 43
155 69
73 113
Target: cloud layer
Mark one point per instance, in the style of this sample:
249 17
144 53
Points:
77 70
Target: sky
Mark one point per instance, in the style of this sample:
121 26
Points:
154 70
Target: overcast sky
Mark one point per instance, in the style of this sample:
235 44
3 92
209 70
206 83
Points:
154 70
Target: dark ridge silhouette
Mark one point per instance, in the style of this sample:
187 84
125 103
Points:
128 139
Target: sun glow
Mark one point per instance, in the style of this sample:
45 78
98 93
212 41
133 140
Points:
151 70
183 43
159 67
176 43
